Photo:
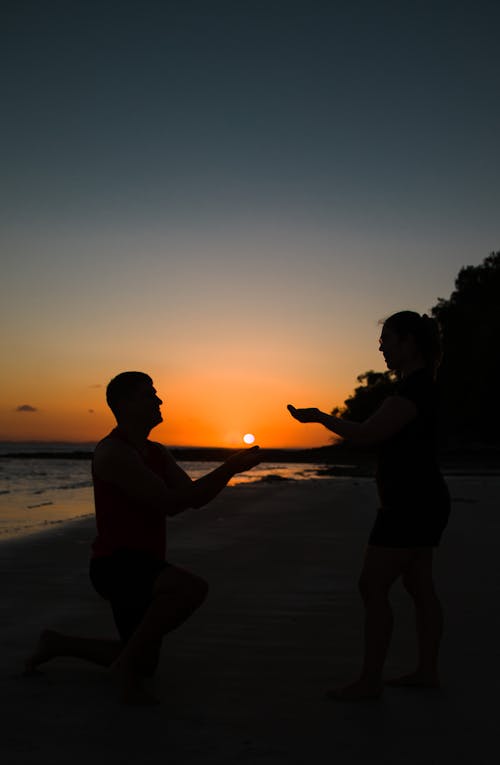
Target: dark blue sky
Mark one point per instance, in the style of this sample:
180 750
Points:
170 169
152 104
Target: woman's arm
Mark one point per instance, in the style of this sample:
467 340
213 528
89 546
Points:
391 417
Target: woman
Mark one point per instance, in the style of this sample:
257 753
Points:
414 502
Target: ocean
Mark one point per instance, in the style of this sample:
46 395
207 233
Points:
37 493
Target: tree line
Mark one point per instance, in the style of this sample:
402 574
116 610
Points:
470 370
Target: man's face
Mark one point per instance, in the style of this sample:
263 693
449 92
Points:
144 405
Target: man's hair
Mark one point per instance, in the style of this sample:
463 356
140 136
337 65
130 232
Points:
124 386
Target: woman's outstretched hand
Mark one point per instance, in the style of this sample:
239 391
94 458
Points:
305 415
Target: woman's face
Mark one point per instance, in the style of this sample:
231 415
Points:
393 348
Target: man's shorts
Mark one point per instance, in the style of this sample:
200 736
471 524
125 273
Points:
126 578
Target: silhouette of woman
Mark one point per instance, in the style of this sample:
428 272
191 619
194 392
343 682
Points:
414 502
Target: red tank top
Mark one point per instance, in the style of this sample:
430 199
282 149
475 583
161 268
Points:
123 522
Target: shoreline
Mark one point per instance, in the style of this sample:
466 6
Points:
326 474
84 508
478 465
467 457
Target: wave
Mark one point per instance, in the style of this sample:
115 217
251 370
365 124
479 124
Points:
58 487
273 478
21 529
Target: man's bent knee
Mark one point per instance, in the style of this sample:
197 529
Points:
176 581
198 590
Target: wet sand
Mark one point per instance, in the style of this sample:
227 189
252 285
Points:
244 680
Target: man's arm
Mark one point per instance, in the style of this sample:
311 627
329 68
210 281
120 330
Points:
119 464
176 476
208 486
204 489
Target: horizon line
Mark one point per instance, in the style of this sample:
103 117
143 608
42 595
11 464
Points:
168 446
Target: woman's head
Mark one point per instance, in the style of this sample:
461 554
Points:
408 338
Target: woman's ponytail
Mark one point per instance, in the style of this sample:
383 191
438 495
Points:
425 330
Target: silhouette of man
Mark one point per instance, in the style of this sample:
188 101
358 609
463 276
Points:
137 483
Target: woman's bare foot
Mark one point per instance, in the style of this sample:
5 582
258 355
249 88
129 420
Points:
415 679
47 648
361 690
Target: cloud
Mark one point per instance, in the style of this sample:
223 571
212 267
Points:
26 408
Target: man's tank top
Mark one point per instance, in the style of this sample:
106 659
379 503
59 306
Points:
122 522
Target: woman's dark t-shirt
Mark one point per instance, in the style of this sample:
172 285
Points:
413 494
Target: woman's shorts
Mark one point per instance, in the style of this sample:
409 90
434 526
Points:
408 527
126 578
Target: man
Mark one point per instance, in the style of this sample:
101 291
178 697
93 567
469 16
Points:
137 483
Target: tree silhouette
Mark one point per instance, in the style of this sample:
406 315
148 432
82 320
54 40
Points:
470 371
368 396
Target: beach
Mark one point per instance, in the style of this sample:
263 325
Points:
244 680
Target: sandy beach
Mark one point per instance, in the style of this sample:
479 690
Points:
244 680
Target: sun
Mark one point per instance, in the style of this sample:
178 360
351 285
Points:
249 438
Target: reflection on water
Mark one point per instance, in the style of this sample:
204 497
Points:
37 493
266 471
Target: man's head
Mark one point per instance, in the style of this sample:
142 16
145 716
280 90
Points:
132 398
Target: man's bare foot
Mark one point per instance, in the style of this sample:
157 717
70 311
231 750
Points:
48 648
415 680
131 687
361 690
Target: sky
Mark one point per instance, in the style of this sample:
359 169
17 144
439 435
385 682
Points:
231 196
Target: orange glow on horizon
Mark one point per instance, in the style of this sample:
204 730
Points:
227 408
213 392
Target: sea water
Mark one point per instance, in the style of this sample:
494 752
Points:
36 493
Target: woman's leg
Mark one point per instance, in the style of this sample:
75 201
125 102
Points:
382 566
419 583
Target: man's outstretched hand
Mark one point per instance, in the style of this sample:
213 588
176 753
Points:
245 459
305 415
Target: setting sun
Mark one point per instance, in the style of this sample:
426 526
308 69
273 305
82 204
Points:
249 438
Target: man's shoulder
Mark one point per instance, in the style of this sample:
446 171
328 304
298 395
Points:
113 459
163 450
160 447
105 442
112 447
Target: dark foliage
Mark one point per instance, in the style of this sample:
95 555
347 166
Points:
367 397
470 370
